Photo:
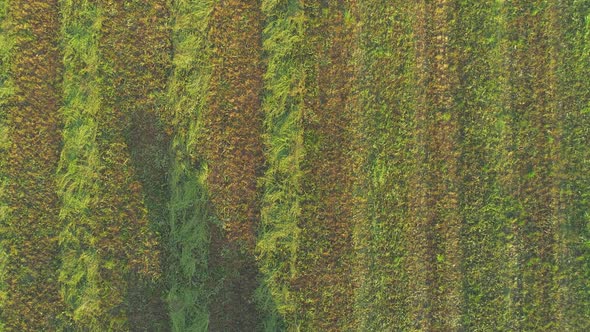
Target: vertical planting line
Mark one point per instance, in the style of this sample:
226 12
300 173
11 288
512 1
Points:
552 162
387 104
6 93
436 253
485 225
419 262
284 80
443 160
140 56
30 142
105 238
233 151
324 282
188 233
574 91
507 177
234 105
532 87
517 247
78 168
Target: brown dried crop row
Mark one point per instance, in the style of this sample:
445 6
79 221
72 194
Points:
325 282
30 233
141 59
135 50
233 122
233 149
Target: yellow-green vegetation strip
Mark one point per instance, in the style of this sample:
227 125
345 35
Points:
80 165
477 37
284 83
323 280
30 142
188 224
573 252
233 150
106 238
386 98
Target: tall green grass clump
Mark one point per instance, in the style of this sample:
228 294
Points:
189 215
284 81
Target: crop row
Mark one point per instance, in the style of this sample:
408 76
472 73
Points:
289 165
29 112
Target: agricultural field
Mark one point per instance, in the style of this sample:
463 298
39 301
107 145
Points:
290 165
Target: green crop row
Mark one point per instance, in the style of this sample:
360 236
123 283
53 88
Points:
6 93
284 81
189 221
78 175
486 232
573 246
386 97
324 262
107 246
433 220
535 126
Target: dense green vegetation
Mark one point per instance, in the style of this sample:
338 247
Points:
339 165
